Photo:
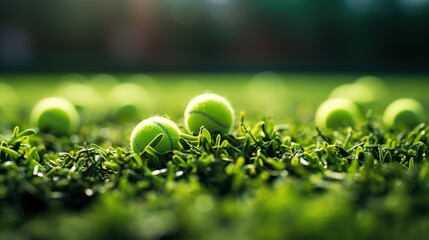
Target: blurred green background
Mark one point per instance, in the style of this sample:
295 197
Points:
286 98
214 35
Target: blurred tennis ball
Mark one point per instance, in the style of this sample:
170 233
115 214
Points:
404 112
129 102
145 80
103 82
56 116
86 100
211 111
367 92
147 131
336 113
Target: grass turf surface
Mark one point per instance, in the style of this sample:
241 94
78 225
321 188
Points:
274 176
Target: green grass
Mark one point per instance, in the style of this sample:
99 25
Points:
276 176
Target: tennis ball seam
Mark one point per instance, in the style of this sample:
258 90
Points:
165 132
210 118
137 145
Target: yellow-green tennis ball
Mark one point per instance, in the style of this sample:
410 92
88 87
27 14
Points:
341 91
367 92
56 116
147 130
371 91
211 111
363 95
103 82
86 100
336 113
404 112
129 101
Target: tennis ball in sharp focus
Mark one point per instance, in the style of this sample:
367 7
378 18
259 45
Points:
55 115
337 112
147 130
211 111
404 112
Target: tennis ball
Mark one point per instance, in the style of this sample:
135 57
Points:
103 82
147 130
341 91
211 111
404 112
337 112
129 101
55 115
87 101
370 91
366 92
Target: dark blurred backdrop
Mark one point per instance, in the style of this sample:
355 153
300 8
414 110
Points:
214 35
